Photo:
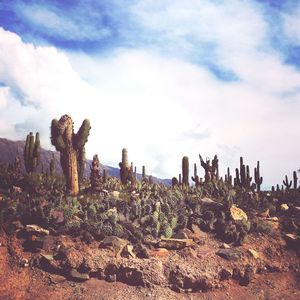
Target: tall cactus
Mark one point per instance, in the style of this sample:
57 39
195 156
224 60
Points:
32 152
71 148
295 180
95 177
257 177
143 172
287 183
228 177
124 167
52 166
185 170
195 178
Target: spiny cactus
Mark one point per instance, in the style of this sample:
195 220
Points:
228 177
258 178
175 181
185 171
32 152
52 166
180 179
195 178
295 180
143 172
71 148
124 167
287 183
95 177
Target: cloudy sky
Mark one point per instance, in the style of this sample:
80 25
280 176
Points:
162 78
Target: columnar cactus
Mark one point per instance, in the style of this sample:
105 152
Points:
143 172
195 178
124 167
185 170
71 148
32 152
257 177
287 183
180 179
52 166
95 176
228 177
295 180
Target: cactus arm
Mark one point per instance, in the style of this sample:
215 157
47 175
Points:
56 137
82 135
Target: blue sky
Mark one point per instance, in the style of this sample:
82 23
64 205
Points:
171 78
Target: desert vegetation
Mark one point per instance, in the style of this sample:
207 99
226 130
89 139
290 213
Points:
141 219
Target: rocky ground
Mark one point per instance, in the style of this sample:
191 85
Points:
35 264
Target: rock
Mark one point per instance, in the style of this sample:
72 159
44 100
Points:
181 235
284 207
48 257
35 229
204 253
56 279
75 275
248 276
160 252
225 246
253 253
225 274
229 254
128 252
273 219
24 263
237 214
114 243
196 229
175 244
293 241
207 200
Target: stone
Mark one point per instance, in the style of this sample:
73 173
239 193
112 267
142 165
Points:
114 243
225 246
76 276
253 253
297 210
284 207
229 254
48 257
207 200
196 229
237 214
273 219
128 252
175 244
292 240
225 274
35 229
181 235
25 263
159 252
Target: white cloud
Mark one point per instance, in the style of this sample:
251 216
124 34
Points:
69 26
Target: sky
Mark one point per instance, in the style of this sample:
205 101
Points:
163 79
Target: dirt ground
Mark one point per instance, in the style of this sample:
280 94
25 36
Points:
280 281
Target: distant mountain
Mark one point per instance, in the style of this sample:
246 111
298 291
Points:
10 149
